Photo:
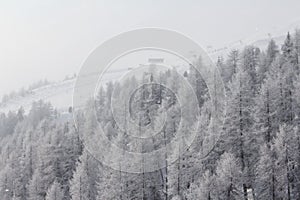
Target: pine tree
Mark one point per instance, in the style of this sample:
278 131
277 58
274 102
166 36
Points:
287 74
267 60
228 176
197 82
266 109
55 192
36 188
83 184
297 47
289 55
205 190
266 181
231 66
249 63
241 139
283 188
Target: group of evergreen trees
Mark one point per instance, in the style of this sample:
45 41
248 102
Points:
260 143
257 156
39 156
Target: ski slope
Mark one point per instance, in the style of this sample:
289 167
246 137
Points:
60 94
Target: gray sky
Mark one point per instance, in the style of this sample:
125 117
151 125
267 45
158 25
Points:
51 38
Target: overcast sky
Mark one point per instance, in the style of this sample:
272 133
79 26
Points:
51 38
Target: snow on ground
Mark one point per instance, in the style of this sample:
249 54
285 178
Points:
60 94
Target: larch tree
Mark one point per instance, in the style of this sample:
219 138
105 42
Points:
266 181
83 184
55 192
239 121
228 175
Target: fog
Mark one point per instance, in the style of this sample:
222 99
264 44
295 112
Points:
51 39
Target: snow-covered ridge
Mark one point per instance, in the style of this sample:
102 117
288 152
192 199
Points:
59 94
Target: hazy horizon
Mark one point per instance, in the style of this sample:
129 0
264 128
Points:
51 39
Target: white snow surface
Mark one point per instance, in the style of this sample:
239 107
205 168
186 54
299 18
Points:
58 94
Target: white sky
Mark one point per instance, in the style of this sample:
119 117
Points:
51 38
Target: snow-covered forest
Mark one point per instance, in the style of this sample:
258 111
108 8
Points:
256 156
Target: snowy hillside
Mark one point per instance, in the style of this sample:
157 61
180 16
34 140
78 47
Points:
60 93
